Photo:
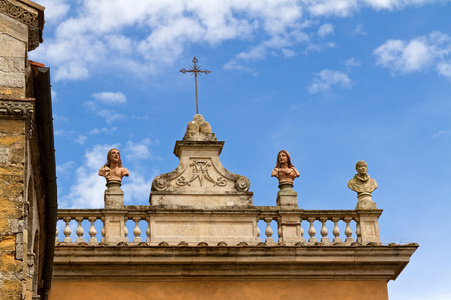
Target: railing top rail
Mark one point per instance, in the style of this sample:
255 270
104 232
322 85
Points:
258 211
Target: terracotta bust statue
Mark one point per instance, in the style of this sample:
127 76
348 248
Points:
362 182
284 170
113 170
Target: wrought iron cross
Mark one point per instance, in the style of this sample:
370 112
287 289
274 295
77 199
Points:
195 70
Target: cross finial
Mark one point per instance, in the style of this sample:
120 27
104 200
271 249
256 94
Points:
195 70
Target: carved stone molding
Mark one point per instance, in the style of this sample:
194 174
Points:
20 109
16 108
30 16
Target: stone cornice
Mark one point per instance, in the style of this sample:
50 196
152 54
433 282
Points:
19 108
28 13
230 263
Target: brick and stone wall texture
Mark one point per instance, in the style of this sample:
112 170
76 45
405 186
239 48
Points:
13 235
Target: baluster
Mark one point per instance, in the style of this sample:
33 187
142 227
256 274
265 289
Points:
268 231
257 232
102 231
312 231
137 230
348 231
357 230
279 230
324 232
80 230
148 232
125 230
302 239
67 232
336 230
92 231
56 236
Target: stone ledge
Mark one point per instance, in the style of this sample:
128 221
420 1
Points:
231 263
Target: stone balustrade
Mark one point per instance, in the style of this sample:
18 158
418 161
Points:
134 225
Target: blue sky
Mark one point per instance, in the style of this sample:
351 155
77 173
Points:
332 82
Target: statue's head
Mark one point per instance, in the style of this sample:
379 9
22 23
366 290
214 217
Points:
283 157
114 155
361 167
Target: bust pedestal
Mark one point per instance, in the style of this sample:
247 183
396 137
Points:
287 197
114 215
365 201
114 196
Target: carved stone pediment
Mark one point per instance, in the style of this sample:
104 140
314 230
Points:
200 175
200 181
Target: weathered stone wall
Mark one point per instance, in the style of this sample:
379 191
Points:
21 24
13 57
13 232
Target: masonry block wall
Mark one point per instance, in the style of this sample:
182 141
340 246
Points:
21 214
14 235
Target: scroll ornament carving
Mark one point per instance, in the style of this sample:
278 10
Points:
200 171
160 184
28 18
242 184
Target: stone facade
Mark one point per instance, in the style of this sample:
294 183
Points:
21 24
23 176
14 199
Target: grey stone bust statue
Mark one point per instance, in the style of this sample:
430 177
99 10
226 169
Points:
362 182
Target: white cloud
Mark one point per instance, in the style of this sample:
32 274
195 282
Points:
358 30
140 150
325 29
55 10
327 78
110 98
420 53
71 71
58 118
444 68
94 35
341 8
104 130
81 139
137 189
71 135
148 35
351 63
344 8
54 96
65 168
276 45
109 115
445 134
